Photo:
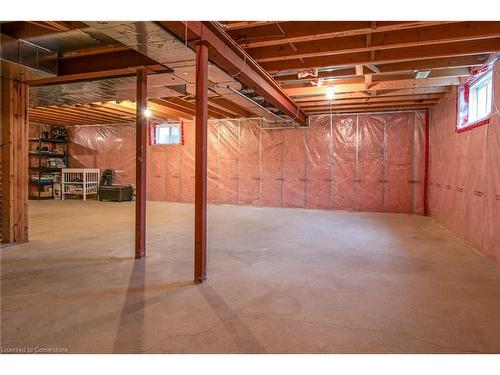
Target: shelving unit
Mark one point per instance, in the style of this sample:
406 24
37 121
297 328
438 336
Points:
47 157
80 182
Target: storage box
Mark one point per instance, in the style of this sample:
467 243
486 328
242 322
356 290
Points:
116 193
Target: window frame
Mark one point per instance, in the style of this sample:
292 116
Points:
467 92
155 128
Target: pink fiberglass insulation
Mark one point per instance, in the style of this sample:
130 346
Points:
186 192
344 185
228 163
464 184
104 147
318 163
371 162
351 162
294 168
249 166
212 163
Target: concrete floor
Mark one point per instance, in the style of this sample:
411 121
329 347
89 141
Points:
280 281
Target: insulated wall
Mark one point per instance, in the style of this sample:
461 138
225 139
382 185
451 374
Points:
464 184
364 162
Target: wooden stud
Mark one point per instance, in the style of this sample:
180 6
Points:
14 150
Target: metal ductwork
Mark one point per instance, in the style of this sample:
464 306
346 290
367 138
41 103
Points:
154 41
28 55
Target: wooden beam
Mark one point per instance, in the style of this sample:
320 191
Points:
118 112
297 32
441 34
105 61
43 120
246 24
97 75
373 68
391 93
230 106
379 109
169 111
225 53
110 63
201 134
181 104
88 113
375 99
177 104
14 153
27 30
388 56
74 113
102 112
141 134
131 108
437 65
54 113
394 104
385 85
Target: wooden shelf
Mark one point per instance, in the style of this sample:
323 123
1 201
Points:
47 140
46 154
38 183
47 169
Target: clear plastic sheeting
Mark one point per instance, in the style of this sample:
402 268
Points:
104 147
464 183
366 162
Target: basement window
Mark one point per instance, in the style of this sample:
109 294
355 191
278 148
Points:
475 99
167 133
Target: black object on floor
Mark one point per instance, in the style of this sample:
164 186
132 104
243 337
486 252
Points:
110 192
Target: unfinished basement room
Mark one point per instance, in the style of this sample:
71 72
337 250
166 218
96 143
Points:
262 187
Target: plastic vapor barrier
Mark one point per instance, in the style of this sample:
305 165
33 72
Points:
366 162
464 184
104 147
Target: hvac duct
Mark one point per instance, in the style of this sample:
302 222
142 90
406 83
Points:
28 55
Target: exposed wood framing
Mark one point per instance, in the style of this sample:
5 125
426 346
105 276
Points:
385 56
225 53
385 85
109 63
26 30
297 32
441 34
14 151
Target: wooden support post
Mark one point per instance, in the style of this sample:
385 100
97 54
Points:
140 164
425 199
14 160
200 200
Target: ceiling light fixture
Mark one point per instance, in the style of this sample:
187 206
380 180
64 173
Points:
330 92
147 112
421 74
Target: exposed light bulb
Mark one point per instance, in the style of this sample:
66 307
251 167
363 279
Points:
330 92
147 112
